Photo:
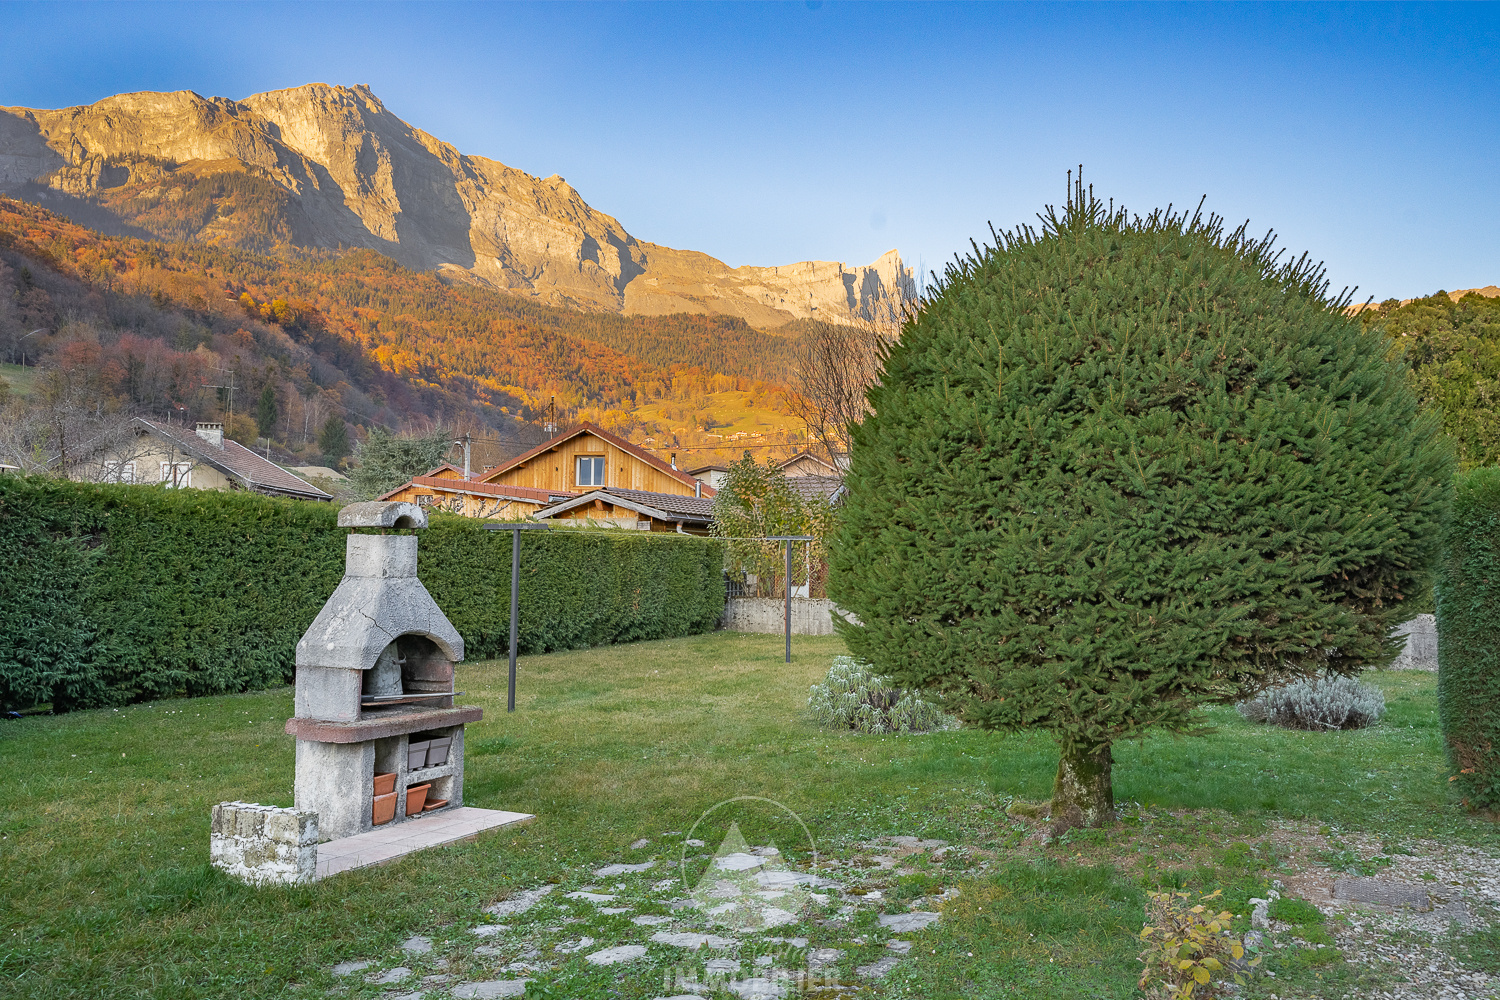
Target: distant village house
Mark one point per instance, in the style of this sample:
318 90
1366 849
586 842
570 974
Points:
201 459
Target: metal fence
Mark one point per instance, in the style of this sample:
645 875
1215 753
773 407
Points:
756 567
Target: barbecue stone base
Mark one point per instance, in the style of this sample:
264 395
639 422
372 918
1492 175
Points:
263 844
333 781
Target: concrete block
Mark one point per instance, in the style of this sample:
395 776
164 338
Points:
264 844
330 693
380 556
334 781
383 514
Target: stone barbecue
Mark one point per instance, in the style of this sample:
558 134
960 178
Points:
378 736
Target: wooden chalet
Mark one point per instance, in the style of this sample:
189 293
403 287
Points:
449 491
586 458
805 463
616 482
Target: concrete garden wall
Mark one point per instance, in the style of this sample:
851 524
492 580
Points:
810 616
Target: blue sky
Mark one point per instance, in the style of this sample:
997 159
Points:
1368 135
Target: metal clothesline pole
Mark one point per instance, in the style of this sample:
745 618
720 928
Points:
787 586
515 529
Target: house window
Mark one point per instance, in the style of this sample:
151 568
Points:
177 475
119 472
591 470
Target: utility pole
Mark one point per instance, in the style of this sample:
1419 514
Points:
551 426
230 387
22 343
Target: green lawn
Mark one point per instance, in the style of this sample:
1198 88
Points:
21 379
104 826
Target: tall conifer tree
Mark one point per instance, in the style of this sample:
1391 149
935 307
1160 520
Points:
1119 467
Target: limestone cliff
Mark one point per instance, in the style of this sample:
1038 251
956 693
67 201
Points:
327 167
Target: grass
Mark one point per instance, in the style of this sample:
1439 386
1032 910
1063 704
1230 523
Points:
104 826
21 379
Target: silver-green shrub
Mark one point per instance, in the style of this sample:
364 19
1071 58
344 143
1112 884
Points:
854 696
1328 702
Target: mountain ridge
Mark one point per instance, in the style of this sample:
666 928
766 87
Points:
330 166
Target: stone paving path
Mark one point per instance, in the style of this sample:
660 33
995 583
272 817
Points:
748 927
762 927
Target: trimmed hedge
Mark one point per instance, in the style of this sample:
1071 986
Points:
114 594
1468 627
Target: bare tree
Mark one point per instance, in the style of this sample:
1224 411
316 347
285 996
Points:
72 427
836 365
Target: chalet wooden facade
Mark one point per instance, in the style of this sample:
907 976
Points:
449 491
583 474
586 458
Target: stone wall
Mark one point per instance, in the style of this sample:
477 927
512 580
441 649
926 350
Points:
810 616
261 844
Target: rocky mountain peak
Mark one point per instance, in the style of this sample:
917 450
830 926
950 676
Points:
339 169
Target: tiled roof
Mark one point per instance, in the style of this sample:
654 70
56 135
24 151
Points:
483 489
672 506
669 503
603 435
825 488
235 460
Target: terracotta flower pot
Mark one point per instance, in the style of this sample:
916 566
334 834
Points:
437 751
385 784
432 804
385 808
416 755
416 795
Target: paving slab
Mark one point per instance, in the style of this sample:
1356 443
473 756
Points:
903 923
395 975
1382 893
387 843
518 902
619 953
692 941
756 988
493 989
878 969
619 869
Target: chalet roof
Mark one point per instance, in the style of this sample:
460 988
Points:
663 506
235 461
455 472
828 489
707 468
501 490
807 456
587 428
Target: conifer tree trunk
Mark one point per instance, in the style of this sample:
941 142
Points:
1083 794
